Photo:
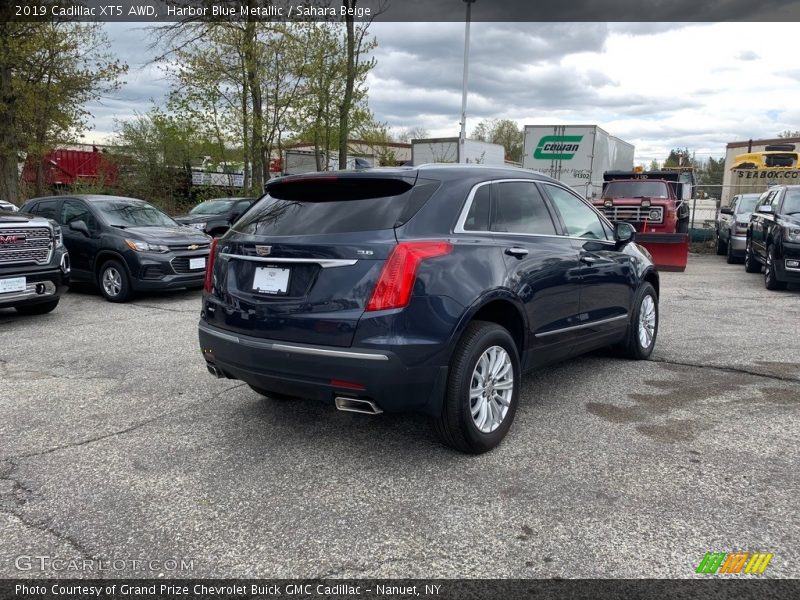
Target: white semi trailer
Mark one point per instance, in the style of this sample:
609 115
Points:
446 150
576 155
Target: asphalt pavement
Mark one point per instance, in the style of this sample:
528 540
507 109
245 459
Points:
121 456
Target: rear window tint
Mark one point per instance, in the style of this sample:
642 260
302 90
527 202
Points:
320 206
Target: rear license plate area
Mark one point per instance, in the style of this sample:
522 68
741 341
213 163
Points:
271 280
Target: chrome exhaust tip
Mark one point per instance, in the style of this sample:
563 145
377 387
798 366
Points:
366 407
215 371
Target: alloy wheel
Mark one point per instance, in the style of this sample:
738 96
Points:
491 389
112 282
647 321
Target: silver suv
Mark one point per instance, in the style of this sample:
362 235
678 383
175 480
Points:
732 223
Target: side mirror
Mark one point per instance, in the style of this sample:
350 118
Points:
766 209
726 210
624 233
80 226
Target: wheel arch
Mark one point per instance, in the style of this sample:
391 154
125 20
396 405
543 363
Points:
500 307
104 256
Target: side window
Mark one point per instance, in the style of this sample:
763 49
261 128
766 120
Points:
776 199
46 209
520 208
734 202
72 210
478 216
766 198
241 206
579 219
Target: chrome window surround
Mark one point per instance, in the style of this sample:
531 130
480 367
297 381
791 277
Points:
462 218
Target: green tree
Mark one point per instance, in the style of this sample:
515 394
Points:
157 152
504 132
49 71
679 157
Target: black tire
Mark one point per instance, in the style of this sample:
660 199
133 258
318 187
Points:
722 247
631 346
683 226
37 309
770 274
273 395
456 426
120 290
730 258
751 265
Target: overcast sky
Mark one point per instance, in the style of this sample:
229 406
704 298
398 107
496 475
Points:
658 86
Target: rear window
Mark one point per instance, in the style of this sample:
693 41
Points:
320 206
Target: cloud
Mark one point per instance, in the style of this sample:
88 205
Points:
748 55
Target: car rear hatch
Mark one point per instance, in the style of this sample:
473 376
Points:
301 266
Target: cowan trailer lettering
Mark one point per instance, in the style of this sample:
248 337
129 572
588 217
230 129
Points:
557 147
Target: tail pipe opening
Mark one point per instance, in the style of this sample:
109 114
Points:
367 407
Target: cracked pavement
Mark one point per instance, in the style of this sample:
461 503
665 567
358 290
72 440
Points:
116 444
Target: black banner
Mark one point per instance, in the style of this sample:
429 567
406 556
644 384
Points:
165 11
743 588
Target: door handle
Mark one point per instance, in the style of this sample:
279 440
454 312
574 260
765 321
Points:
588 259
517 251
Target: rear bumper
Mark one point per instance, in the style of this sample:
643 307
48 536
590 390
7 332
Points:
323 373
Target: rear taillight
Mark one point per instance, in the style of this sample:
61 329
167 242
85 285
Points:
393 289
212 254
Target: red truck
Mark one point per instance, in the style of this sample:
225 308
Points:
656 204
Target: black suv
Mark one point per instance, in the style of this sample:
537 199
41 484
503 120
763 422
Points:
429 289
34 265
215 216
773 237
125 245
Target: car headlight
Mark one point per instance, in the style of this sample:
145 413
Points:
655 214
138 246
792 234
58 236
199 226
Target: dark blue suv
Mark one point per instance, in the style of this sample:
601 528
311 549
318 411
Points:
428 289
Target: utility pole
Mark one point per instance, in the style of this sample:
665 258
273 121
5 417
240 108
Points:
462 137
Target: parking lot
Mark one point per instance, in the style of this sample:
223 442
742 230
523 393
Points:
115 443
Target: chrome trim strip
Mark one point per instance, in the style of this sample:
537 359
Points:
325 263
281 347
582 326
219 334
462 218
322 352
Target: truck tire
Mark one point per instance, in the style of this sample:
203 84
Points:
771 281
751 265
37 309
730 258
480 401
722 247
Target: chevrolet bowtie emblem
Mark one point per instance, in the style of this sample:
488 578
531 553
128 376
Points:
193 247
